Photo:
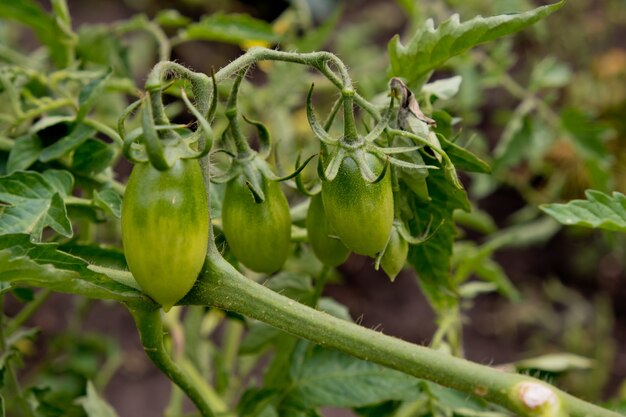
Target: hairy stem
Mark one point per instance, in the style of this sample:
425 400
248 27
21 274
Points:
220 285
150 326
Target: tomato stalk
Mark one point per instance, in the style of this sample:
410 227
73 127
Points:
220 285
150 326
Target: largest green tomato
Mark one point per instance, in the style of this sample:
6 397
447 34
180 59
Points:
259 234
360 213
165 228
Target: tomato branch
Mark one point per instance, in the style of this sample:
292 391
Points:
220 285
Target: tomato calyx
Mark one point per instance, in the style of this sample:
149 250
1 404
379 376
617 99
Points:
394 255
160 142
352 145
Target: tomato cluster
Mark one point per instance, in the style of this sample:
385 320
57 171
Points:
165 215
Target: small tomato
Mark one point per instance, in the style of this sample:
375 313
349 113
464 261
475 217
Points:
259 234
361 213
329 250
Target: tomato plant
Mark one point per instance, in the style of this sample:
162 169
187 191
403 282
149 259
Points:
237 247
165 226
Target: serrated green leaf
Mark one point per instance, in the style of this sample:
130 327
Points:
25 152
35 203
96 254
90 94
258 337
109 200
430 48
431 259
79 134
92 157
23 262
330 378
94 405
599 211
230 28
258 402
453 402
61 180
464 159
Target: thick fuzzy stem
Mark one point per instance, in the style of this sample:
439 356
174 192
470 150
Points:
220 285
150 326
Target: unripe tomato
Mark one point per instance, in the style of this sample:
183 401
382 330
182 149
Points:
361 213
165 228
394 258
259 234
331 251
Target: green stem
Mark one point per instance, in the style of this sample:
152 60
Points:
44 108
241 143
318 60
350 133
12 380
320 283
150 326
222 286
232 341
105 130
28 310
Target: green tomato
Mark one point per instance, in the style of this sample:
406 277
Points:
165 228
361 213
258 234
395 254
330 250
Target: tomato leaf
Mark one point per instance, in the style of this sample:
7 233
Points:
230 28
598 211
431 259
109 200
25 152
94 405
23 262
90 94
35 202
79 134
431 47
324 377
92 157
464 159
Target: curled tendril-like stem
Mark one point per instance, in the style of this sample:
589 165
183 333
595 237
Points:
265 138
318 130
154 148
